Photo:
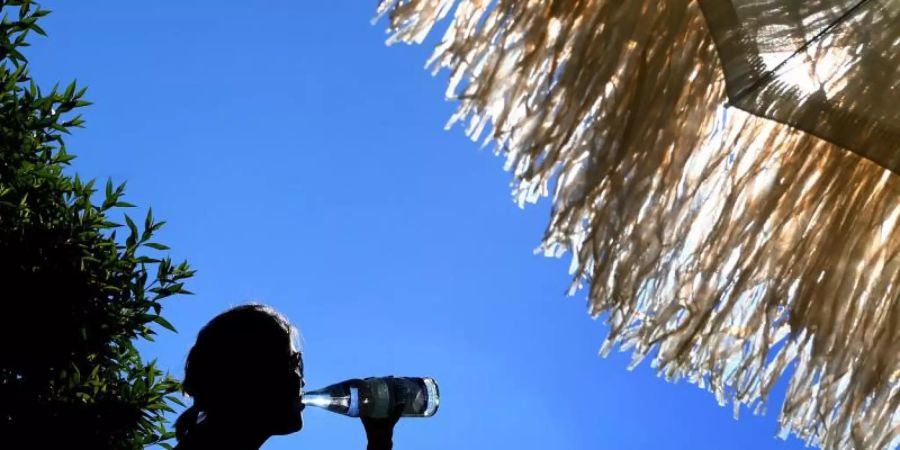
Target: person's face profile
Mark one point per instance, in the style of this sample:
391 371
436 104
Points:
268 385
286 394
294 393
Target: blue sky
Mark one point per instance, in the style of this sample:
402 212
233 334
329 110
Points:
300 162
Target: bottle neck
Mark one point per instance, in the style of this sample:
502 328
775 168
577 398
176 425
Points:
346 403
323 399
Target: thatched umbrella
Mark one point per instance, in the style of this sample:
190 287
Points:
828 67
730 248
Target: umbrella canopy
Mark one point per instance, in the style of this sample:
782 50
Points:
730 249
828 67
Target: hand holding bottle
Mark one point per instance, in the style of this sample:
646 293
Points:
380 431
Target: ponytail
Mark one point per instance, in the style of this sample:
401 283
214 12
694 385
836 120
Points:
186 422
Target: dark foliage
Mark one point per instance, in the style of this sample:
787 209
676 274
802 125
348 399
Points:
75 295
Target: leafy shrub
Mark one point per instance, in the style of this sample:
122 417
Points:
77 289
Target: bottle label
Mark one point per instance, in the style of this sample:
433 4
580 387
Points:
354 403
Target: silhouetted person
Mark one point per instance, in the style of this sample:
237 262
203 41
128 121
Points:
245 375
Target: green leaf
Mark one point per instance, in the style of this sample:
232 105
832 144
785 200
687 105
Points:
70 90
131 225
148 221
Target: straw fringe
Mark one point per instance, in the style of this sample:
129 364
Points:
731 249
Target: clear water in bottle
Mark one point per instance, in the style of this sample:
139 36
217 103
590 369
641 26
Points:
377 397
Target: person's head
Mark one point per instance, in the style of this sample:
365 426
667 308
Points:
245 368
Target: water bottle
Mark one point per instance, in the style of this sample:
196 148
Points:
378 397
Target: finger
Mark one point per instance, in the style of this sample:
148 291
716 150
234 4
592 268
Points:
398 410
